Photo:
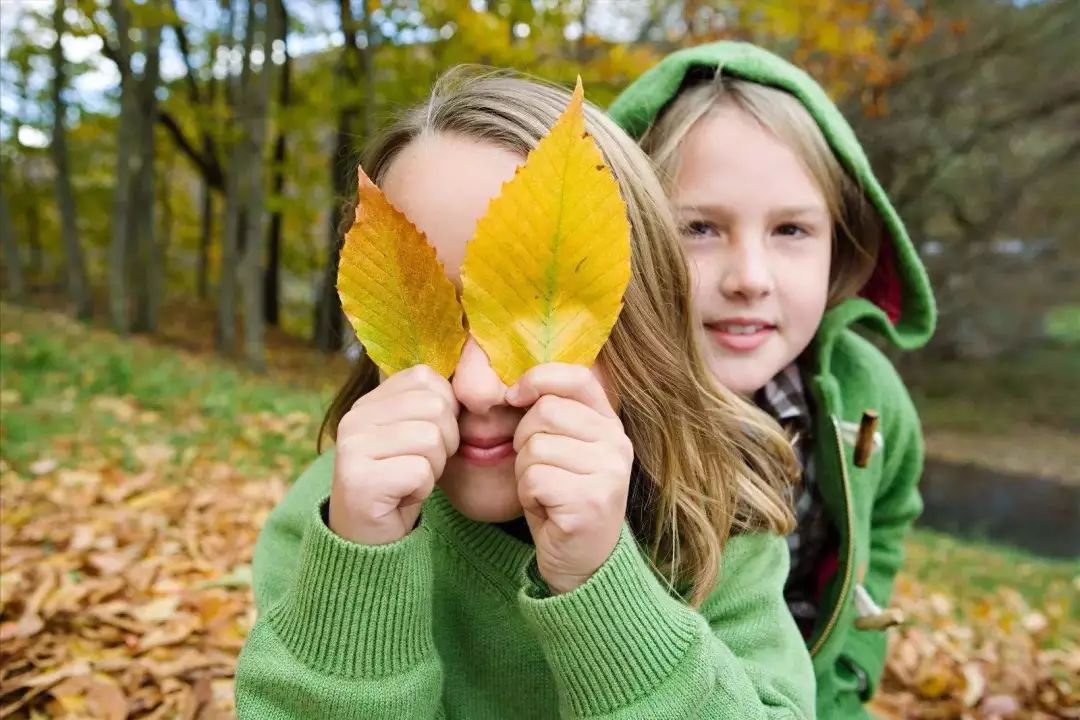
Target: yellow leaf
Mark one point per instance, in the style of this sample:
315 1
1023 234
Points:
394 290
545 272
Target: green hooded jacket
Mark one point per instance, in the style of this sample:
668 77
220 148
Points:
871 507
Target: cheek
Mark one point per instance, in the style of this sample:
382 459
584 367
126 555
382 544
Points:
704 270
804 286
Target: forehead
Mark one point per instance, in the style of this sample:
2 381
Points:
728 152
443 184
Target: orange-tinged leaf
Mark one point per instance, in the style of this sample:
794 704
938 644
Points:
545 272
394 290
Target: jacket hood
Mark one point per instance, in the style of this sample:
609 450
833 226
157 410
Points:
896 301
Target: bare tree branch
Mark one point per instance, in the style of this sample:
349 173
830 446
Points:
185 52
922 182
208 166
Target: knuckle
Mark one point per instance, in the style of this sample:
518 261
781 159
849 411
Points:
547 409
594 503
417 469
429 435
539 445
533 477
428 378
573 524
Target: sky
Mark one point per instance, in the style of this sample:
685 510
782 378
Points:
94 89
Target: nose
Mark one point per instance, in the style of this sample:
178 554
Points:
475 383
746 272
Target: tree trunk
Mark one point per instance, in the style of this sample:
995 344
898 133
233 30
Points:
16 285
272 300
36 263
122 224
234 200
202 268
78 285
329 320
329 325
251 263
165 195
148 274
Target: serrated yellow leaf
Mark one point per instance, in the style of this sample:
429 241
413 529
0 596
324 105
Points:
544 275
394 289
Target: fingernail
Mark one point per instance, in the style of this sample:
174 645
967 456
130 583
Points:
512 394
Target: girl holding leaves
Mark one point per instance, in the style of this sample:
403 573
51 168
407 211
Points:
546 509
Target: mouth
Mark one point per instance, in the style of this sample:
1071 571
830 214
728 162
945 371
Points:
740 334
486 450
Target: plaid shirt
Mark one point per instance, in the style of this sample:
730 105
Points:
785 399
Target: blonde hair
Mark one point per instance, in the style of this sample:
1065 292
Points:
857 228
709 464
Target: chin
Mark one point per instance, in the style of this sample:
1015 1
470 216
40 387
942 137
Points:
484 494
742 378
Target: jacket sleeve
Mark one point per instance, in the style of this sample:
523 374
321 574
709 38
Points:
621 647
344 630
896 506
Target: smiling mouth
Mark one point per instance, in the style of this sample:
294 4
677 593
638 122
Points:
740 335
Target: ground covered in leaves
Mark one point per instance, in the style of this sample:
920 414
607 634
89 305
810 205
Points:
134 479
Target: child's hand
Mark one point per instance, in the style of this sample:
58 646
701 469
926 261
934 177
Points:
573 469
392 447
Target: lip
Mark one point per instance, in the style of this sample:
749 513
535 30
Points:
486 450
740 342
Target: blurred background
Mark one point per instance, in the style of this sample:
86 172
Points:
171 178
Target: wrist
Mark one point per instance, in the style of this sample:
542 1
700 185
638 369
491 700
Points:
347 527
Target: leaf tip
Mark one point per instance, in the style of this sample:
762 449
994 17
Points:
363 181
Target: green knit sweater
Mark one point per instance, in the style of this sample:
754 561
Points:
452 621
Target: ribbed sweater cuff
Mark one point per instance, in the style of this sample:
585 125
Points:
357 610
615 638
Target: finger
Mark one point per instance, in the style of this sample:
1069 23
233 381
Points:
408 405
546 488
407 478
418 377
409 437
558 416
559 451
573 382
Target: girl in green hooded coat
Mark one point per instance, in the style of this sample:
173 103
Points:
793 244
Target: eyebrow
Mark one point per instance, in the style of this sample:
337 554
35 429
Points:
721 209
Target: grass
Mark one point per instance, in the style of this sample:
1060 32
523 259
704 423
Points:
92 391
72 392
1064 324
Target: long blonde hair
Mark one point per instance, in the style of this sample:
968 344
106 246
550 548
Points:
710 464
858 231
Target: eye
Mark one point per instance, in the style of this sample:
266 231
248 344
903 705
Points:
699 228
791 230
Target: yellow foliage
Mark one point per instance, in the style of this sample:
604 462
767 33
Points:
394 290
544 275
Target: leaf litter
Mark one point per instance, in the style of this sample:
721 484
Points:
125 576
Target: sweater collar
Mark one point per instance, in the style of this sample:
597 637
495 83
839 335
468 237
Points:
481 543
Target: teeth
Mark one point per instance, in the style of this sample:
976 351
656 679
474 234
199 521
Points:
742 329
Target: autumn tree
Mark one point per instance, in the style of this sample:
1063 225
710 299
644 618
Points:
77 282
